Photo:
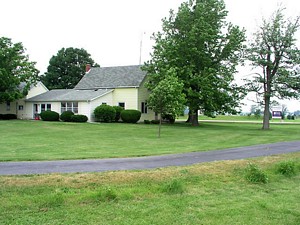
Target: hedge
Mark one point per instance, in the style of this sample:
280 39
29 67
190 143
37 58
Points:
66 116
49 116
105 113
130 115
79 118
8 116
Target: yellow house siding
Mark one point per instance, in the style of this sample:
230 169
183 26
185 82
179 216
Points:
127 95
38 89
143 95
108 99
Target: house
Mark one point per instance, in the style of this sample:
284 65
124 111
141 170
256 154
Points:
20 107
122 86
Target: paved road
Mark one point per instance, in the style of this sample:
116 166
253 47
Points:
150 162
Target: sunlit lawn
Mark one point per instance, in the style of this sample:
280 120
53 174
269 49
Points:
39 140
209 193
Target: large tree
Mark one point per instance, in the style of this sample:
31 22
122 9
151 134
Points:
204 50
166 97
274 51
17 73
67 68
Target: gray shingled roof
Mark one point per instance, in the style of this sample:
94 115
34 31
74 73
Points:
69 95
112 77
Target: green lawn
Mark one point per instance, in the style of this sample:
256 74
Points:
39 140
209 193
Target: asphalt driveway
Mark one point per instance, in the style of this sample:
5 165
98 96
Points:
149 162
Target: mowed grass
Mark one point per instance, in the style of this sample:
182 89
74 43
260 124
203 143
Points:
39 140
209 193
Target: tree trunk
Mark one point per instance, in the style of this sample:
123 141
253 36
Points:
189 120
266 120
159 126
194 118
267 97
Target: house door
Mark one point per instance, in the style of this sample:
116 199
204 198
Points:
36 111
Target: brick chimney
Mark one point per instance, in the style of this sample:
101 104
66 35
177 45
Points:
87 67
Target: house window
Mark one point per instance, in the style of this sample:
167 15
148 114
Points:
122 104
45 107
144 108
104 103
21 107
69 106
7 106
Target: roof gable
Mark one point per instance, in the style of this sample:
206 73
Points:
112 77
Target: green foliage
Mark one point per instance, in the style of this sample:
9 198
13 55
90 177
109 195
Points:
147 122
105 113
166 98
49 116
204 50
67 68
130 115
287 168
155 121
118 109
169 118
174 187
66 116
255 175
17 73
8 116
274 50
79 118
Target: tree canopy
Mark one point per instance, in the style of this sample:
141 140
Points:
67 68
204 50
17 73
274 51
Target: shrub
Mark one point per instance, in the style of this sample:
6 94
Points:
155 121
118 109
105 113
66 116
49 116
130 115
287 168
9 116
147 121
255 175
173 187
1 116
79 118
169 118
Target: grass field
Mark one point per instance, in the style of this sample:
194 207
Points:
39 140
210 193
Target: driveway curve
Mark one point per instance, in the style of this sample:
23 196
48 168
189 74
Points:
149 162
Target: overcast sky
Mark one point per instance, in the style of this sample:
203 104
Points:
111 31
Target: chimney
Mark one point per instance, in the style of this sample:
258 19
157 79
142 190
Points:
87 68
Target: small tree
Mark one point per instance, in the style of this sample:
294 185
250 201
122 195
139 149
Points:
274 51
167 97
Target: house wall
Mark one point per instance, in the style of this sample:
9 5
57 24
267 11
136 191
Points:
143 95
22 109
89 107
38 89
127 95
